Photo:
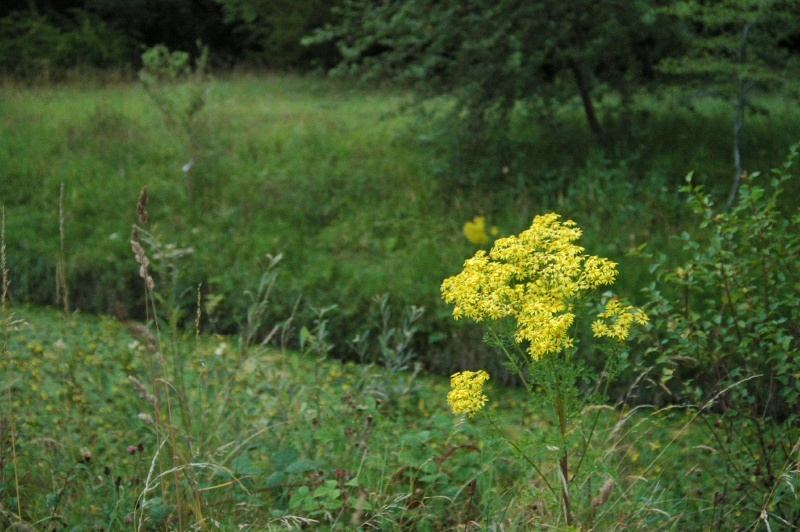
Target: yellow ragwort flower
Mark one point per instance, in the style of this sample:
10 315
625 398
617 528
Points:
466 395
475 231
616 321
535 278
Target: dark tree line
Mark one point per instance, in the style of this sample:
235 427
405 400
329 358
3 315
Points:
507 63
52 36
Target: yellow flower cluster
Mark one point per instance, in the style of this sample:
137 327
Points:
475 231
466 395
618 320
535 278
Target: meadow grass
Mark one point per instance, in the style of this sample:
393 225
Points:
278 170
280 438
120 425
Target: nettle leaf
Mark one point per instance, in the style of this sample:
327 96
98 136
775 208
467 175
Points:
328 490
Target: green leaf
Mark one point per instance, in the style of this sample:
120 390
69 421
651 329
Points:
301 466
276 479
305 334
283 458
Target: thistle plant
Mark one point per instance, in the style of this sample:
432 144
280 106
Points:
532 291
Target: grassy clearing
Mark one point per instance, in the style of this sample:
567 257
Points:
327 180
357 196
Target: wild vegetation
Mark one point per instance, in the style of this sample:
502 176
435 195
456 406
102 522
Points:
262 339
314 236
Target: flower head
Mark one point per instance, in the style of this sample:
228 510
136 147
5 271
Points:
615 322
466 395
534 278
475 231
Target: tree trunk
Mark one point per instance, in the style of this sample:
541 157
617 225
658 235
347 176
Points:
586 98
738 122
738 119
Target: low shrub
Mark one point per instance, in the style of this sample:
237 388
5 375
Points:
45 47
725 334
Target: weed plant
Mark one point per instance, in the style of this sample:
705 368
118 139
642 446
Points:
531 291
180 91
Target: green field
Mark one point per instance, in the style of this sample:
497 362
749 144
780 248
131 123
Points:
265 409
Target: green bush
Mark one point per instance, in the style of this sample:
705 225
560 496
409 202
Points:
725 335
40 46
735 311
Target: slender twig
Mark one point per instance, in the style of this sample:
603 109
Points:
589 439
731 462
61 285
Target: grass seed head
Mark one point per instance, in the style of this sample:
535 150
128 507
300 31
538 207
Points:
141 206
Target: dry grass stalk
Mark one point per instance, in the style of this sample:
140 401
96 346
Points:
62 291
155 352
597 502
144 335
3 261
7 355
603 494
141 206
141 391
141 258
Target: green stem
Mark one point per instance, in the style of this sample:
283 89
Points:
511 359
564 462
521 453
596 419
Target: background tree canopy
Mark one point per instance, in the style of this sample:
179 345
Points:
43 36
508 64
496 55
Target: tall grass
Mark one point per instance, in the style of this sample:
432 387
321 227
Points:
12 422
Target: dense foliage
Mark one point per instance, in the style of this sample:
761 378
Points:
507 65
728 338
45 40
